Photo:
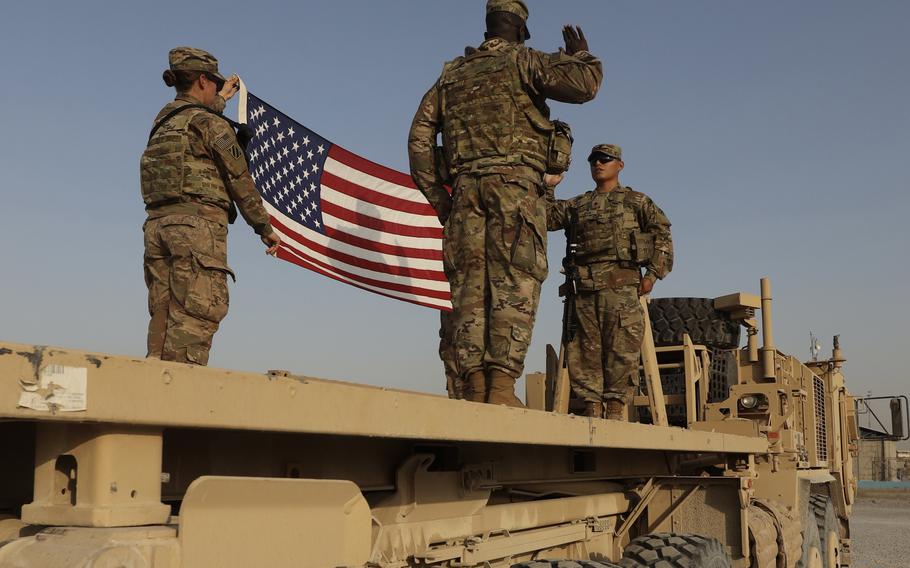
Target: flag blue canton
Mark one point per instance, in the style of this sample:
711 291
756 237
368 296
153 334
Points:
286 161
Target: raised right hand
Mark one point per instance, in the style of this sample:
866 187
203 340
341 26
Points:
230 88
575 39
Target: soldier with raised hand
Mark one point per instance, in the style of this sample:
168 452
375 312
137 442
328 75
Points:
193 173
620 232
497 140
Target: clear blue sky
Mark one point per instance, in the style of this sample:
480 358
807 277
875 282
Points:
775 135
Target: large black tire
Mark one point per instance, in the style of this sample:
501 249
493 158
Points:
668 550
565 564
828 530
672 317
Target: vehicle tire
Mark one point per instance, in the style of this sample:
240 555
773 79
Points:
828 530
672 317
566 564
811 555
763 544
669 550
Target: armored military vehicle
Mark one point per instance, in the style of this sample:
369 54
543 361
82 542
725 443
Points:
733 457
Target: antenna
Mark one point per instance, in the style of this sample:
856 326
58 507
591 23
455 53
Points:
815 346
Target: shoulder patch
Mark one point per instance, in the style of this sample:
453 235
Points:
236 152
224 142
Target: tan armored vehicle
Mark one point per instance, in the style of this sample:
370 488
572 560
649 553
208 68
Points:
735 457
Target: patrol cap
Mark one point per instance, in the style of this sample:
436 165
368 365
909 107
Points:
192 59
516 7
610 150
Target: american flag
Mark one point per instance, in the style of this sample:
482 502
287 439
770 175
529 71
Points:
344 216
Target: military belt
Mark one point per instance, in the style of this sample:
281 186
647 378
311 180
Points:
198 208
588 269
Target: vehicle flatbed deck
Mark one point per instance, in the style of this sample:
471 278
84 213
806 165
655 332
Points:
149 392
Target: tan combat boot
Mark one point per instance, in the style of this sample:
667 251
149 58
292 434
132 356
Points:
616 410
502 389
476 388
594 408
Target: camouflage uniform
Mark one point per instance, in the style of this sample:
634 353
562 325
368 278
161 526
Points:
618 232
490 107
192 174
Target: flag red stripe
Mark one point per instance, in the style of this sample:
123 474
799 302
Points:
289 256
396 286
357 261
378 224
410 252
346 187
372 168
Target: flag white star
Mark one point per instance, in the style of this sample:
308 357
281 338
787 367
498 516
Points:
291 131
285 151
306 140
313 186
316 222
276 122
315 168
309 155
295 146
280 136
306 174
300 160
321 149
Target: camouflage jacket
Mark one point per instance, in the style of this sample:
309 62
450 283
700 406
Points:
213 145
557 76
608 224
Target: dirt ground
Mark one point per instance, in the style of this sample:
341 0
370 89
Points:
881 529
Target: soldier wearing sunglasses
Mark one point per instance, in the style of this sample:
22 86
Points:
620 233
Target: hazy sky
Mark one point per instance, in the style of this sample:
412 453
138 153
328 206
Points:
774 135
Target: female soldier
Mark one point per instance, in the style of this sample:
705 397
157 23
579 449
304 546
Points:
193 174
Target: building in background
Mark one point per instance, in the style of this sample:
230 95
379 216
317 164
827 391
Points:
879 458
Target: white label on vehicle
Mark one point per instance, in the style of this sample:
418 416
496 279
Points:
58 388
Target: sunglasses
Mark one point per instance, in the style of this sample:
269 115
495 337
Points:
602 160
219 84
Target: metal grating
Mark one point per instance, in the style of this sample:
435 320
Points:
821 419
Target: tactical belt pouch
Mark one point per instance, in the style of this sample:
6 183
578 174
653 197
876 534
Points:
559 153
642 247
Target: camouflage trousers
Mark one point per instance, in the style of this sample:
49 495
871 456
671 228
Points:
495 257
186 272
603 358
454 383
